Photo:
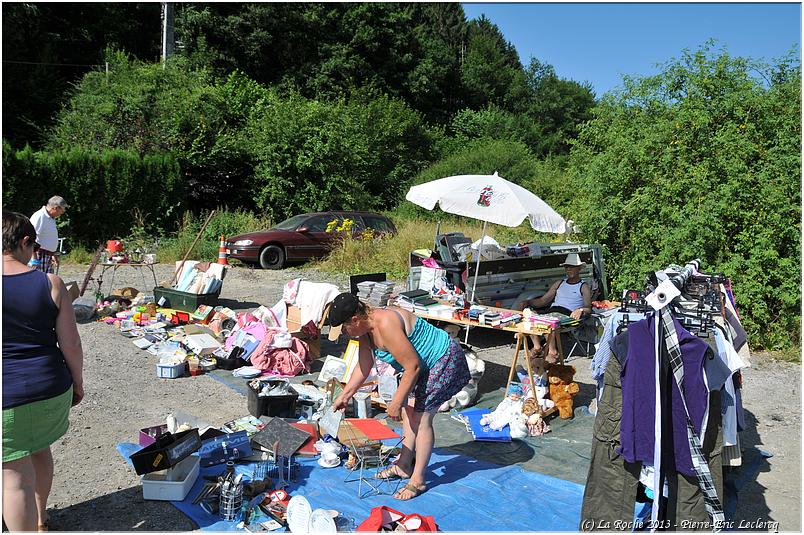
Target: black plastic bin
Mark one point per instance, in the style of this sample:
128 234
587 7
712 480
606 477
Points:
282 406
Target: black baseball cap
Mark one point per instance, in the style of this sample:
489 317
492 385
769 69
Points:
343 307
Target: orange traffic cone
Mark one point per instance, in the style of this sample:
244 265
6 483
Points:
222 258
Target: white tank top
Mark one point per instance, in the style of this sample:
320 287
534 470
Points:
569 295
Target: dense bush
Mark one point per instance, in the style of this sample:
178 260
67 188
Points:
355 153
101 187
701 161
149 109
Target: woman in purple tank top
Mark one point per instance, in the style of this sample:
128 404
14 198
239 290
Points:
42 376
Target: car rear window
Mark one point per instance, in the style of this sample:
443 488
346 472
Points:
378 223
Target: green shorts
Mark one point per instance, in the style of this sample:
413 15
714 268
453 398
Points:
35 426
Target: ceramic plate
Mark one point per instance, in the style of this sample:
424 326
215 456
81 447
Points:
299 512
321 522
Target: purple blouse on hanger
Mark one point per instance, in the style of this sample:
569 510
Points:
637 429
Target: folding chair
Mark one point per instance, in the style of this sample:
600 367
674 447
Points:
585 336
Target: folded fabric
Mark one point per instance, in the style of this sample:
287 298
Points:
290 291
247 372
312 297
282 361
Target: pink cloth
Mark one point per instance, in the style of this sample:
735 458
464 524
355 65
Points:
253 327
430 262
282 361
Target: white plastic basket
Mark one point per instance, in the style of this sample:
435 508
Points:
170 371
172 484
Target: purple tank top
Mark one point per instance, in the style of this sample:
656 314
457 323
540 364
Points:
33 365
636 431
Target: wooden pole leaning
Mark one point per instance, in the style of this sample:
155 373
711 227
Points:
190 250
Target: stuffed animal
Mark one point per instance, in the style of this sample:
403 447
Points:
562 388
535 423
519 426
507 411
468 394
539 368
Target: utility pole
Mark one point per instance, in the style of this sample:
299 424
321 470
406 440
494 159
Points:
167 31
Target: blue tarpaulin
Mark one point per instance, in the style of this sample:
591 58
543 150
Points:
463 494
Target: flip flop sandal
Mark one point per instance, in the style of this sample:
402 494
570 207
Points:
390 474
43 528
413 489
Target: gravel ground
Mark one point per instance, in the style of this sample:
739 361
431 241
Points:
94 489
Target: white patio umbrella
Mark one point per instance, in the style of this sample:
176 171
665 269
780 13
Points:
489 198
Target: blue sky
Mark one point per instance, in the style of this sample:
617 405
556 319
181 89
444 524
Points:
597 43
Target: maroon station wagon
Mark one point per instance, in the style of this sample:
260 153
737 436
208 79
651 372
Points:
301 237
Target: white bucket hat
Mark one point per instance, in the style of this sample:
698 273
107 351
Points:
573 260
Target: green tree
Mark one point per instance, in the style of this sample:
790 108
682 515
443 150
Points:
703 161
150 110
325 51
354 153
557 107
491 71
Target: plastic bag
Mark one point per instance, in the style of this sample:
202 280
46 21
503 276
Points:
84 308
384 518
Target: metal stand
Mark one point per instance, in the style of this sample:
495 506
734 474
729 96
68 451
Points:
116 266
370 460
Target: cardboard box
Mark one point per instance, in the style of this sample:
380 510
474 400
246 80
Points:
73 291
294 327
202 344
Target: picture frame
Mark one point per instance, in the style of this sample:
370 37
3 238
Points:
350 357
333 368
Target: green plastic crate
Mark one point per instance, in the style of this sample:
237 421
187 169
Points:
184 301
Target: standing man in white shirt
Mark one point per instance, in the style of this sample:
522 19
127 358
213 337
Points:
47 236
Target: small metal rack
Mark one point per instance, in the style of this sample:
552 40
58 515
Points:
372 457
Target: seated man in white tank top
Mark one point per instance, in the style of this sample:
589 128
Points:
570 296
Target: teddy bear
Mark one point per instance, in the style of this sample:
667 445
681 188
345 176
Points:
562 388
468 393
532 412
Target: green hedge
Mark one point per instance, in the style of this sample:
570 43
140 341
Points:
103 189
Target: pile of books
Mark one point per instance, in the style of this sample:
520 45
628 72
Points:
475 311
509 318
375 294
415 300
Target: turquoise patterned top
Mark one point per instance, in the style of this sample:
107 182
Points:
430 343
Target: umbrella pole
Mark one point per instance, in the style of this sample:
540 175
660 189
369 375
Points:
477 270
435 238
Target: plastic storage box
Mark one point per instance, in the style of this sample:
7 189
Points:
172 484
282 406
170 371
188 302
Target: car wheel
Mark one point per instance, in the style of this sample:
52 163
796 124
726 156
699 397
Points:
272 257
